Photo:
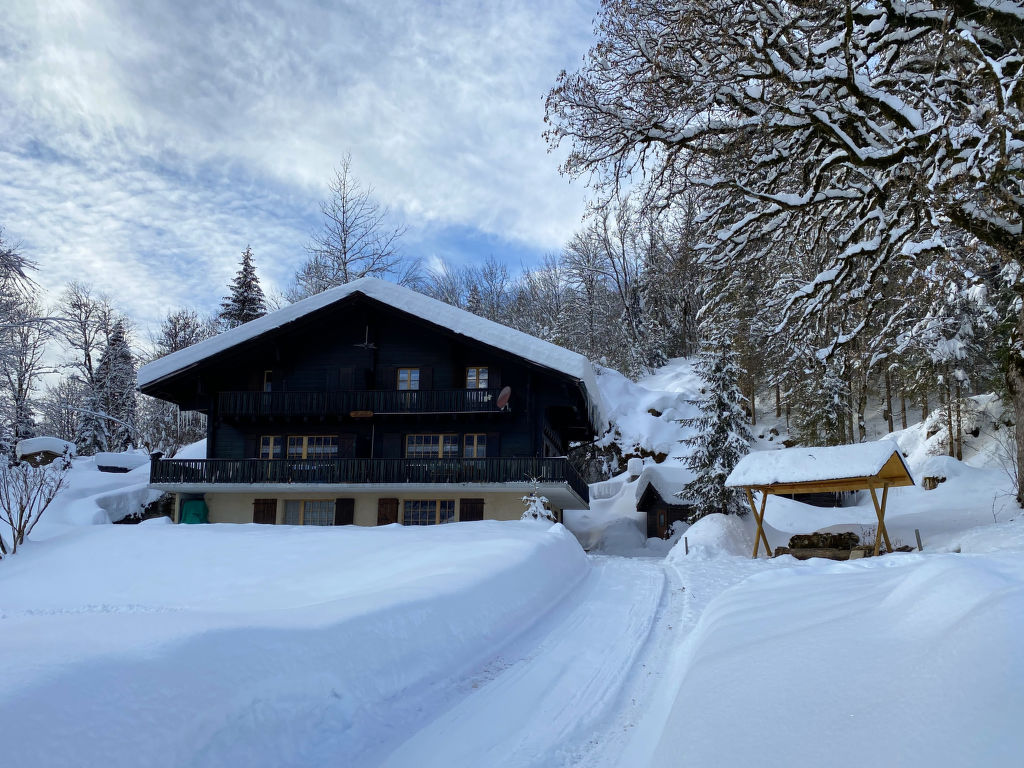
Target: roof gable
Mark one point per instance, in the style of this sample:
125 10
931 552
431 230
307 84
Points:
458 321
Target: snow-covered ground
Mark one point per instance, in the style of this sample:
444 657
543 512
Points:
503 644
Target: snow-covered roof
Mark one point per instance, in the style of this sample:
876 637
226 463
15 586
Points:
122 460
33 445
804 465
667 479
459 321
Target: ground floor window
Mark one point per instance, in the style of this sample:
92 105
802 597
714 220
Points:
264 511
428 511
309 512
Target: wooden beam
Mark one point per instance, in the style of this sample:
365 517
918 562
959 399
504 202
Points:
882 533
760 523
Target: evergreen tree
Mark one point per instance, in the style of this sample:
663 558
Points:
114 391
722 435
246 301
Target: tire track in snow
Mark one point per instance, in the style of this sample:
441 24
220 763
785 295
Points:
553 688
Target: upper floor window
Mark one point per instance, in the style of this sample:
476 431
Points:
268 381
432 446
476 446
312 446
476 377
271 446
408 378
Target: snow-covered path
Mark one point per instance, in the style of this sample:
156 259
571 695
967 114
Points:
556 689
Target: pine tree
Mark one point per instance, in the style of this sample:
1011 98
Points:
114 391
246 301
722 434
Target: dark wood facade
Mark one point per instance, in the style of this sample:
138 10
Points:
336 374
661 514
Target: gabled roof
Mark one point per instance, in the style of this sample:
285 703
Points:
850 466
667 479
457 320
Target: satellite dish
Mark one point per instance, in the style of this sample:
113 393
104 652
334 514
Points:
504 396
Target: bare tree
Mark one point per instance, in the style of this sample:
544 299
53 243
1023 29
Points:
25 493
357 240
21 366
85 322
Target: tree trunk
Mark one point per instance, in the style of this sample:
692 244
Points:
903 407
849 407
778 400
753 405
949 413
924 406
888 400
1015 386
959 423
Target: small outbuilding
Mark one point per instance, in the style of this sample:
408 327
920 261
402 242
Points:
40 451
873 467
656 491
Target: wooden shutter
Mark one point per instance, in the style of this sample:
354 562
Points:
347 446
471 509
493 445
426 378
391 445
264 511
387 511
252 447
344 511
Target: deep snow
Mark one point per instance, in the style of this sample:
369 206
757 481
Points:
503 644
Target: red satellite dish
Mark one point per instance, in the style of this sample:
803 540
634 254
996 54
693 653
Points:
504 396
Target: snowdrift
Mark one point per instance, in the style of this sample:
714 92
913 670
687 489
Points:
256 645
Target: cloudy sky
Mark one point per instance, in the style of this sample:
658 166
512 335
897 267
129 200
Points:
143 145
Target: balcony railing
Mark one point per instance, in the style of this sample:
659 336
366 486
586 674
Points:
343 403
358 471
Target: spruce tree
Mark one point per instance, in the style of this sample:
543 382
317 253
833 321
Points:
722 435
115 390
246 301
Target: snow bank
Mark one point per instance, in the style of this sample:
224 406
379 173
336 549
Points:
257 645
912 660
465 323
32 445
717 535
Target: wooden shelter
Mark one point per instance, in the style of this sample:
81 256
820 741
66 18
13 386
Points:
873 467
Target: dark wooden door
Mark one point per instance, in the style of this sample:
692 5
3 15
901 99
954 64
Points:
471 509
344 511
264 511
387 511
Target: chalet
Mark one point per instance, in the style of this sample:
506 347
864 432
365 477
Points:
656 496
373 404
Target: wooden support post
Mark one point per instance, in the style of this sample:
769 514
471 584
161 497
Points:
880 514
760 522
917 534
686 545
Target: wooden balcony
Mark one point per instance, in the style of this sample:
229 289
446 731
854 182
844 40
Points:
363 402
350 472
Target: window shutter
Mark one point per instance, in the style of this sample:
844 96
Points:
471 509
264 511
387 511
391 445
344 511
493 445
252 447
347 446
387 377
426 378
493 377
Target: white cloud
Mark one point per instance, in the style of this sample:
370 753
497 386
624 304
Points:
145 145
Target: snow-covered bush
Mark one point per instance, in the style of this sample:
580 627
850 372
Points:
25 493
537 508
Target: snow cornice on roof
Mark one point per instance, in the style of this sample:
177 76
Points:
459 321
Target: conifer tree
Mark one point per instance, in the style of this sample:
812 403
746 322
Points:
246 301
722 434
114 391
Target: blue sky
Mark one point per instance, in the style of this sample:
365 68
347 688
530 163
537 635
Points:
144 145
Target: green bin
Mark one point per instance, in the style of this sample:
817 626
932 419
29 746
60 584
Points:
194 511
